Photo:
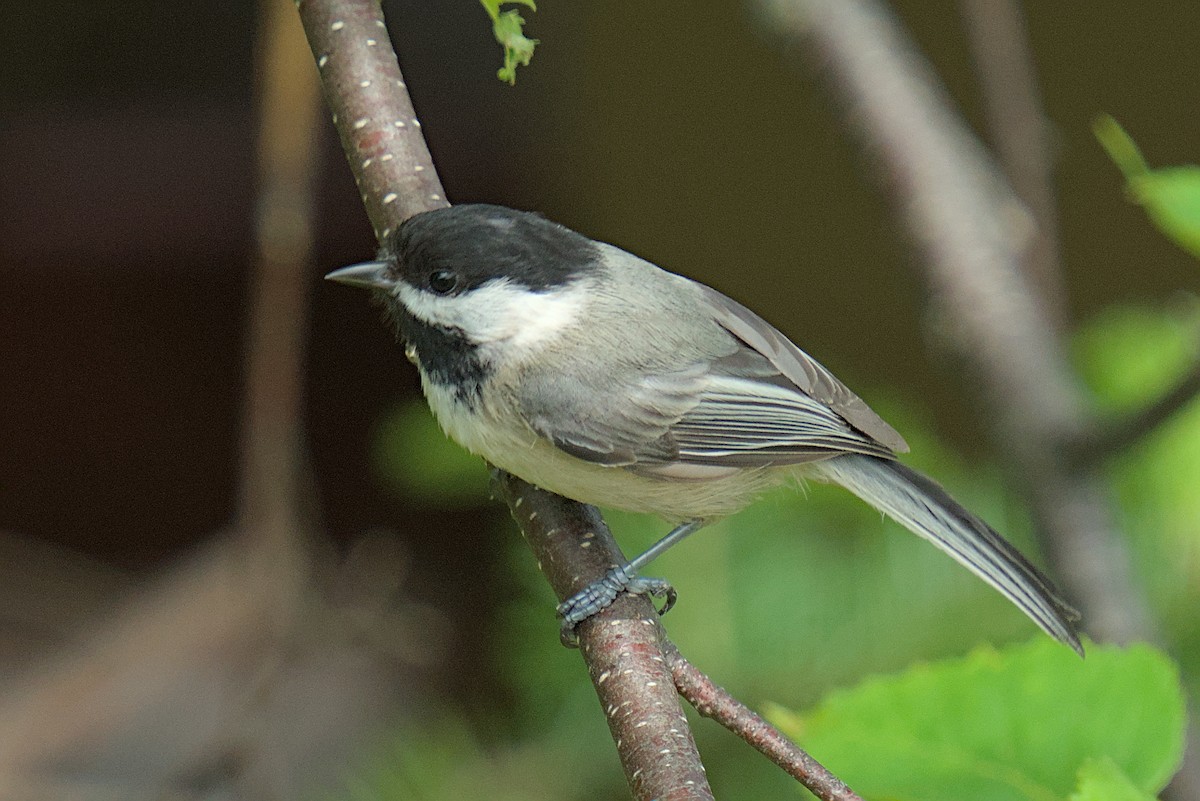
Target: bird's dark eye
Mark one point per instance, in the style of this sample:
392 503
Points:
443 282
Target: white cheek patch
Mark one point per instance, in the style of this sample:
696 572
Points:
499 311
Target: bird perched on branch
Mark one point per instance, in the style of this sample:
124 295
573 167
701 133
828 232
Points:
594 374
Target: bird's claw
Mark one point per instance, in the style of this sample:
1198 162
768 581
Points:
601 593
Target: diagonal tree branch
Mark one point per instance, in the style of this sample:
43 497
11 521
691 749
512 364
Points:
372 111
392 166
715 702
623 645
1125 431
639 697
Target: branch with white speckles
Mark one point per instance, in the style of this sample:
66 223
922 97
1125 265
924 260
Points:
622 645
392 166
713 701
372 111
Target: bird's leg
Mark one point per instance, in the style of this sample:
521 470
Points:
602 592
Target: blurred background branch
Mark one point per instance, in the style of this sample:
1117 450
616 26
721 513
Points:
231 640
1114 436
1020 136
990 260
275 474
973 234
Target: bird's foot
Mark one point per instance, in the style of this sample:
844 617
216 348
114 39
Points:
601 593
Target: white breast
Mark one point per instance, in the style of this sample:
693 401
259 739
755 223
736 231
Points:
502 438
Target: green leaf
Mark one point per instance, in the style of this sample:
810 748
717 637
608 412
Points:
1003 725
416 460
1120 146
507 28
1171 196
1102 780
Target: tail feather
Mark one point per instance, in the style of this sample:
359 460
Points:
922 506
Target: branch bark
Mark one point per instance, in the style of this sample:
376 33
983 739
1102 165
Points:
621 646
372 112
714 702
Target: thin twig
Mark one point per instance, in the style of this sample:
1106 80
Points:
1125 431
395 174
999 43
713 701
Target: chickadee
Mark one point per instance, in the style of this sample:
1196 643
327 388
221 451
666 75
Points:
594 374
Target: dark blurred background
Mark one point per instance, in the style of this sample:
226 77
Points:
674 130
680 131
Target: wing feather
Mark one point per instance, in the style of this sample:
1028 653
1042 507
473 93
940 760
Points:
749 423
805 372
761 402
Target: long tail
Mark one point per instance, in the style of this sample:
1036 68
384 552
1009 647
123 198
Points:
922 506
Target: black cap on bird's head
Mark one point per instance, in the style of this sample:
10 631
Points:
458 280
453 250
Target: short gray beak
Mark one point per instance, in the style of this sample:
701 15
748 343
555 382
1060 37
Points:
368 275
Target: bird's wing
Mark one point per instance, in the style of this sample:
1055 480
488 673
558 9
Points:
801 370
752 421
763 403
621 424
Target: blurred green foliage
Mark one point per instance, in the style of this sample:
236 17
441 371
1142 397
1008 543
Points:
1170 195
1129 356
810 590
446 759
416 461
1023 724
1101 780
